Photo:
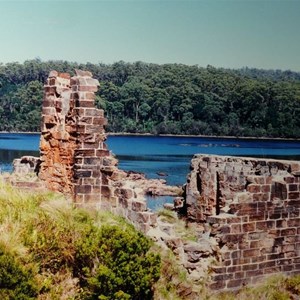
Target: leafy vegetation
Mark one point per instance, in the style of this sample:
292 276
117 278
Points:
51 250
16 282
165 99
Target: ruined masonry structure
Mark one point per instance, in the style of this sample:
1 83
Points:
252 208
74 158
72 143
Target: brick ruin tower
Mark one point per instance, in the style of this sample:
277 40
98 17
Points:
74 157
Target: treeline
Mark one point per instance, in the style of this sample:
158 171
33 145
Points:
172 98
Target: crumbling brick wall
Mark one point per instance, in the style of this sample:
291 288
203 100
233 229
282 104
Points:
74 157
252 208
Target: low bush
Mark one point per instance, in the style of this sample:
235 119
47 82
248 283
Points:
16 281
115 263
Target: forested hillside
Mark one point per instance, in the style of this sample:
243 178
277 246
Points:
171 98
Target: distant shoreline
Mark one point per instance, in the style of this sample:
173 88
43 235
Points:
203 136
174 135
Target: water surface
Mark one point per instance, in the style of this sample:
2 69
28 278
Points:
159 154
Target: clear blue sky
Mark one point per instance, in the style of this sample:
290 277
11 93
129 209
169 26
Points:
262 34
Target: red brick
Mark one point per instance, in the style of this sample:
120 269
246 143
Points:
297 267
266 197
293 222
294 204
254 273
275 256
258 197
235 228
288 231
266 188
253 188
232 238
106 192
241 261
250 267
293 187
218 285
272 270
90 96
289 179
294 195
274 216
91 198
93 112
222 277
267 264
287 268
256 235
281 223
78 199
85 120
235 283
100 121
251 253
233 220
244 245
288 248
82 189
239 275
235 254
218 269
258 259
265 225
233 269
85 103
227 262
248 227
257 217
87 88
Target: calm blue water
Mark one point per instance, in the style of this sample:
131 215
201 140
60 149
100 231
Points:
152 154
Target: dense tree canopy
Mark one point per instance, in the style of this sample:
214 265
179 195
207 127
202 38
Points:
171 98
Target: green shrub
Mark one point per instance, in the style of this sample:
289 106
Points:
293 284
115 263
16 282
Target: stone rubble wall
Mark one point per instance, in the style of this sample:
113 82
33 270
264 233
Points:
252 208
